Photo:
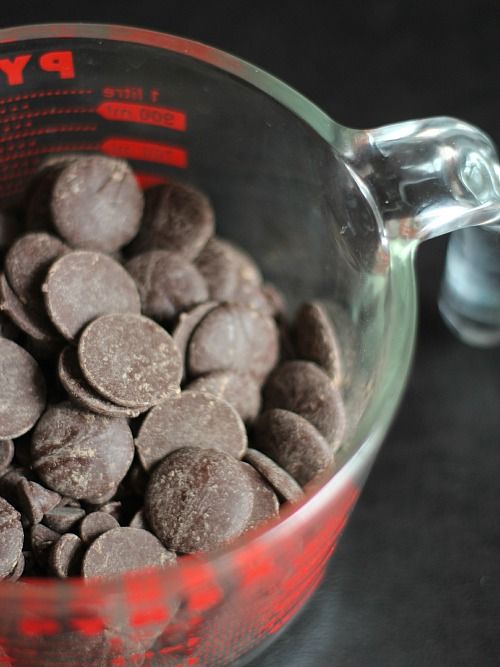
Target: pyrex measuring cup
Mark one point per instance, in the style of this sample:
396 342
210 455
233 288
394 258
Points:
329 212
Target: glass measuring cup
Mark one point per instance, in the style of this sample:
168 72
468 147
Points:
328 212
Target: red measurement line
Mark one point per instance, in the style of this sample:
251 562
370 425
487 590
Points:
146 114
148 151
41 114
46 93
51 149
148 180
10 149
48 130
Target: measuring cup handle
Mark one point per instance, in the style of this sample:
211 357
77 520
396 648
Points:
426 177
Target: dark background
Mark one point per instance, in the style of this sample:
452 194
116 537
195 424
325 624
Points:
416 578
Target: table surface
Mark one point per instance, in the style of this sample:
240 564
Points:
416 577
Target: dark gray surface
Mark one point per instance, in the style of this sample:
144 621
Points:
416 578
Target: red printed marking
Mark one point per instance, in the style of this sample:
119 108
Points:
256 564
205 599
143 113
141 591
192 642
46 93
42 114
190 661
131 93
13 69
48 130
171 649
151 616
202 589
58 61
275 625
35 627
149 151
148 180
17 148
88 626
185 626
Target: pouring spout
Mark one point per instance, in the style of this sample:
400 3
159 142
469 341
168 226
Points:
426 177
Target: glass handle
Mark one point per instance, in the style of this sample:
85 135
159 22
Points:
426 177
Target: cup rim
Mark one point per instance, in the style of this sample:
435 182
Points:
268 83
329 130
